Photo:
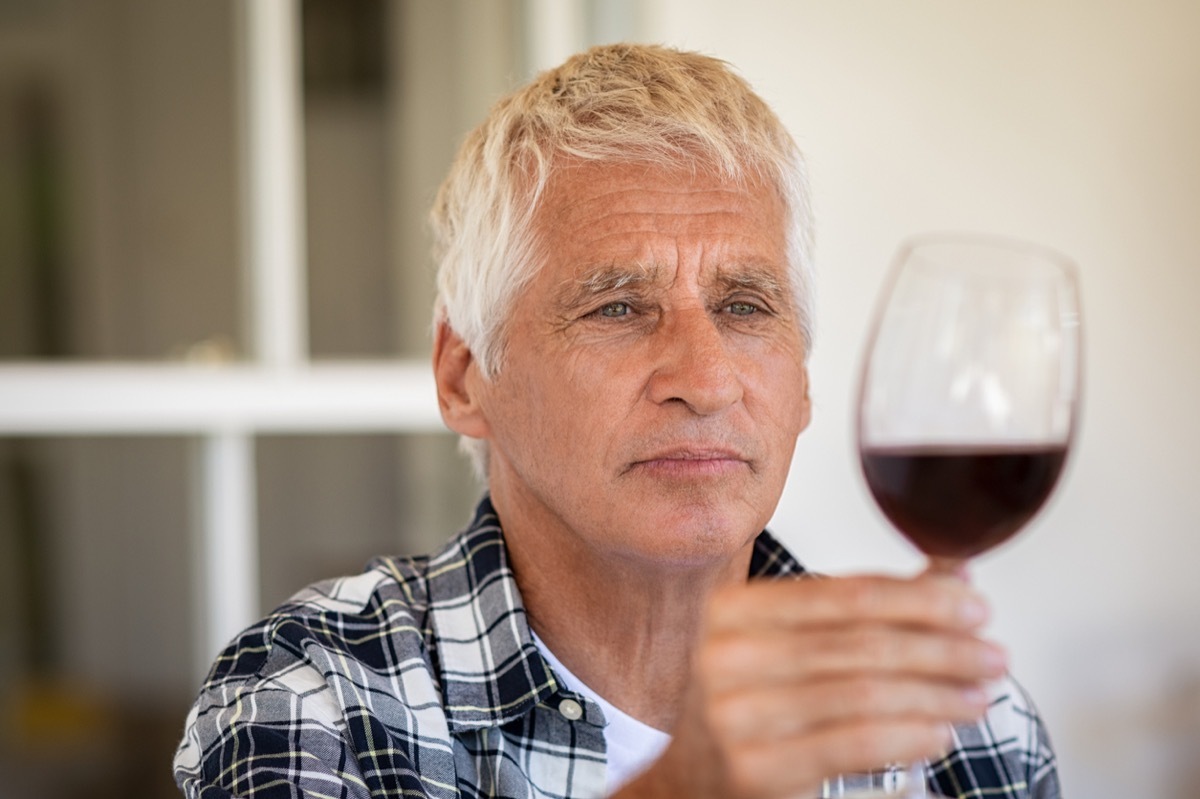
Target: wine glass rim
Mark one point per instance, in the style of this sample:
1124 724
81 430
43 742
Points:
933 238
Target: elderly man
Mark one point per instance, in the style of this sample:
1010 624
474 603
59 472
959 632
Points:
622 327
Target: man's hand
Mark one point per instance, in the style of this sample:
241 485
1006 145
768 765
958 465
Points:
796 681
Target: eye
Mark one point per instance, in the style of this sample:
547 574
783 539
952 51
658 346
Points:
614 310
742 308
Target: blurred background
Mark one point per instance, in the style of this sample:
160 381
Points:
221 204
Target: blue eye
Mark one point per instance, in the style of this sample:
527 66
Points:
615 309
742 308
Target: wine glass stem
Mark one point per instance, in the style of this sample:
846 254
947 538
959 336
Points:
954 567
915 788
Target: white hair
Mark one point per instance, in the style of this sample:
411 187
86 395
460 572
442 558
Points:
619 103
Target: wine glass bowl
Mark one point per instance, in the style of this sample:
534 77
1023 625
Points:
970 387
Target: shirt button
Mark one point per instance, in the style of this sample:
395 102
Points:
570 710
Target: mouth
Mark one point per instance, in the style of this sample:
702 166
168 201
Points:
692 462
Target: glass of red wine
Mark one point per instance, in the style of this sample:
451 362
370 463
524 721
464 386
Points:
969 391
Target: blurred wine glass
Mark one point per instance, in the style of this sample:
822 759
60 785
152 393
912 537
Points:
968 403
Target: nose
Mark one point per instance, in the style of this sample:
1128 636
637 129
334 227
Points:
694 366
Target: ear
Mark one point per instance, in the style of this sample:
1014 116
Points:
457 376
805 404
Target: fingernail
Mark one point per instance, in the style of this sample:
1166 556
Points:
995 659
973 611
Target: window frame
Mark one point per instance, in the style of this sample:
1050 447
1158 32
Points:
223 407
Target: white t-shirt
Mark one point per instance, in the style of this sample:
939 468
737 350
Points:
632 745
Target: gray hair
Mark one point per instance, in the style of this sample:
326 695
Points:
621 103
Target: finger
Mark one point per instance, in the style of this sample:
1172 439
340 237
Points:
794 710
735 660
931 600
784 767
880 648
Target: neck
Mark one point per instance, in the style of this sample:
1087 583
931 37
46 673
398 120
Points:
624 626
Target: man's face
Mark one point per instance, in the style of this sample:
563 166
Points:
653 383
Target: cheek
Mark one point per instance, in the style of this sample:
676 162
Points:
780 388
600 379
547 411
512 410
585 392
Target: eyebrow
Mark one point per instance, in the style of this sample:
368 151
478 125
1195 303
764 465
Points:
611 277
752 277
607 278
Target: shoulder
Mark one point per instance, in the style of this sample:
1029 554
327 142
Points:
342 687
329 635
1008 753
316 676
343 617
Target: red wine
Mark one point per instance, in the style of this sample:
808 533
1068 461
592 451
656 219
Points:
957 502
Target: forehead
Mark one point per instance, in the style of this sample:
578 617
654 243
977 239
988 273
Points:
603 213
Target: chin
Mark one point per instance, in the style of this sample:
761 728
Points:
690 542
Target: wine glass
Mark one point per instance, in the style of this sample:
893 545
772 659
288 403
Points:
969 393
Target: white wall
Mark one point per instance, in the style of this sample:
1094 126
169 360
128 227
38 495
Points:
1072 123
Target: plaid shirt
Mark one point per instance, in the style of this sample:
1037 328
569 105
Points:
419 678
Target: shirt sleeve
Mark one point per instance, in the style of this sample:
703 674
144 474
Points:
284 736
1008 753
1043 768
248 740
